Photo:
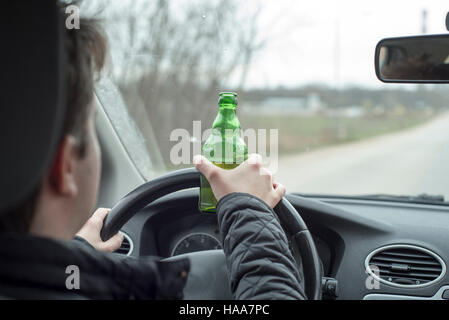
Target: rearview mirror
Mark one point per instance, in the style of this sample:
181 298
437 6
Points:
420 59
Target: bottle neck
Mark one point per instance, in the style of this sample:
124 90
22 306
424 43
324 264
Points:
226 117
227 106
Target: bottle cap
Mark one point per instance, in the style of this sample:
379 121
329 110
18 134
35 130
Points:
227 98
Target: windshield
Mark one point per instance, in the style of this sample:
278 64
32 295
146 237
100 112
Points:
302 68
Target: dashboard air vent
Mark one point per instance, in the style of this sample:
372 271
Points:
405 266
127 246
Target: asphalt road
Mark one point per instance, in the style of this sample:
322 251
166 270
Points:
408 162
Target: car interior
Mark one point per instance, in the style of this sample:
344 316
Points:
350 234
364 247
405 238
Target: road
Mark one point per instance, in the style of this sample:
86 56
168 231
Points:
408 162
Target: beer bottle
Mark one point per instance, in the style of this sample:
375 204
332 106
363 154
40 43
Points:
225 147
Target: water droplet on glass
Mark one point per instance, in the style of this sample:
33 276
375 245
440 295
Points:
203 16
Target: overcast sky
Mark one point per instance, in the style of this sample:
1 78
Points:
333 42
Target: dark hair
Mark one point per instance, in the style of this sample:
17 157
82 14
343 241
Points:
86 50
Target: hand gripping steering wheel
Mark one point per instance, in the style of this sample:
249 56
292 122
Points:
208 276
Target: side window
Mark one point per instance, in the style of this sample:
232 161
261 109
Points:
126 128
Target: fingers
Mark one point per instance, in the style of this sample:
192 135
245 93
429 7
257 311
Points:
100 213
280 190
265 172
113 243
255 159
207 168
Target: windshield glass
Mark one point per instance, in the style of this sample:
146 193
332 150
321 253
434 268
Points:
302 68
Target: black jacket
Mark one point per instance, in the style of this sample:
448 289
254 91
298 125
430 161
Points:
259 263
38 268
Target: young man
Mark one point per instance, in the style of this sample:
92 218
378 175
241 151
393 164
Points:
41 253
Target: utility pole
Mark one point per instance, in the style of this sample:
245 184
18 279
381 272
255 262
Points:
337 64
424 21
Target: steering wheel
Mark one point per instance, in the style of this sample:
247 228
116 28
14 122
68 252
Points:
208 275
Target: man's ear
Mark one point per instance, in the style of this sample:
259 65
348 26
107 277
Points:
63 170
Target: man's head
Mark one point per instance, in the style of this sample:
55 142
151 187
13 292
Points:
68 191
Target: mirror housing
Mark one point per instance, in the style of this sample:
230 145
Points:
418 59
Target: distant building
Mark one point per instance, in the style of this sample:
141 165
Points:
287 105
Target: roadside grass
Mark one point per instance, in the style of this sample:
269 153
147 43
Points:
298 133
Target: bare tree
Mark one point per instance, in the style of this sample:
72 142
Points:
171 58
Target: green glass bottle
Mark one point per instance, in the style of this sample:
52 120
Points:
225 147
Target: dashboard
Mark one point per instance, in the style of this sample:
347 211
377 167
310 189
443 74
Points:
349 234
193 232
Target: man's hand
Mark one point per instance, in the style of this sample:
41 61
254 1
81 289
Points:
91 232
249 177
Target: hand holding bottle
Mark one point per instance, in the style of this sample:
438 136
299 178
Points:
249 177
225 147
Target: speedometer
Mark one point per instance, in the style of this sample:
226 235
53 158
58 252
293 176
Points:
196 242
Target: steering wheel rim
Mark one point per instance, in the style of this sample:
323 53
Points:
291 220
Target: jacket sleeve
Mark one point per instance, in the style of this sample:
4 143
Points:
78 239
259 260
